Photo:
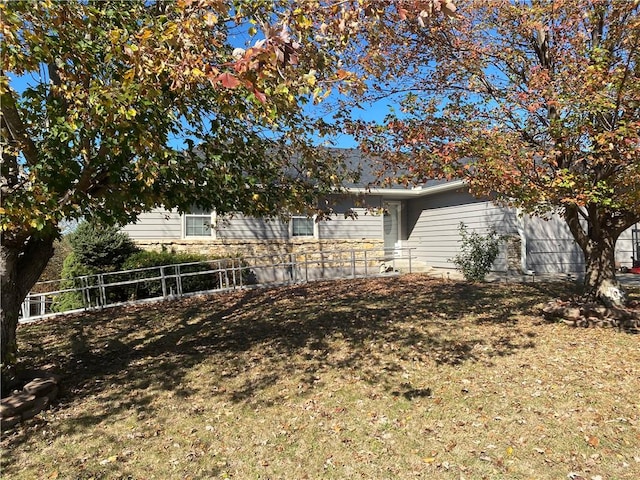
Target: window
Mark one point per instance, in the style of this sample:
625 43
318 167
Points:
198 223
302 226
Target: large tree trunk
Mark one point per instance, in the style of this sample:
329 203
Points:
21 264
600 276
597 235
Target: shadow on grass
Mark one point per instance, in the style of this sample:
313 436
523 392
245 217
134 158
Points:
365 326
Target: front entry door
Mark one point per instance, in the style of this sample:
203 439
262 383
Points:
391 226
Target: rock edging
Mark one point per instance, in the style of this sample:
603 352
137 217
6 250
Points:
584 314
24 404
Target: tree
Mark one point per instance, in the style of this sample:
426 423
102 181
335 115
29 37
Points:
136 104
131 105
534 103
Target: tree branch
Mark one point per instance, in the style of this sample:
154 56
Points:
571 216
16 129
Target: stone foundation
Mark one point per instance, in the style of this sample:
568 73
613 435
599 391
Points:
277 249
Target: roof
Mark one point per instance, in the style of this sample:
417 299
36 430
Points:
369 166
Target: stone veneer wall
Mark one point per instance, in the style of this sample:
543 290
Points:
514 254
255 248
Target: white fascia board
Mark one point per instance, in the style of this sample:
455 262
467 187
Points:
415 192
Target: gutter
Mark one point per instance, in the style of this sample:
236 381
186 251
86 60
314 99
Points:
415 192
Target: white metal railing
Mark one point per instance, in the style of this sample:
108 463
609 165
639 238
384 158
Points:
179 280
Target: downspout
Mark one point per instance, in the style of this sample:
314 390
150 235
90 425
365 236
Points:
520 225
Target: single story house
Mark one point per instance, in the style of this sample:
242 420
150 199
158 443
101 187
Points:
425 218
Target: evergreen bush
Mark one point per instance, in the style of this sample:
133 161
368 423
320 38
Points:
94 249
102 248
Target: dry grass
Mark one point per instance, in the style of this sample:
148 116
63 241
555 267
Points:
403 377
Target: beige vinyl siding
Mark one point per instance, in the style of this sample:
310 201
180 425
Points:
240 227
434 230
550 246
366 226
624 248
158 224
552 249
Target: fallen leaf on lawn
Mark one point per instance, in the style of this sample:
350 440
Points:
111 459
509 451
429 459
593 441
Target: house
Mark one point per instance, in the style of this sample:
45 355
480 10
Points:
425 219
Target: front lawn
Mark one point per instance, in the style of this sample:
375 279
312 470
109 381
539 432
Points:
390 378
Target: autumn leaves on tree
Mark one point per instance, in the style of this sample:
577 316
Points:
535 104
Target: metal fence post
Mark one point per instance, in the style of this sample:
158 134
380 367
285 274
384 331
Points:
86 292
366 266
292 263
233 273
26 311
353 263
178 280
102 291
163 282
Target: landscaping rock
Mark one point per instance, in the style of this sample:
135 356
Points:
40 386
53 394
584 314
18 402
9 422
6 410
40 404
27 403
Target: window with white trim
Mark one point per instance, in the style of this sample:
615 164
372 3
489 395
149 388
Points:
199 223
302 226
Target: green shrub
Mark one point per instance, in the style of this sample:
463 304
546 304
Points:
72 268
102 248
478 252
144 259
94 249
191 283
